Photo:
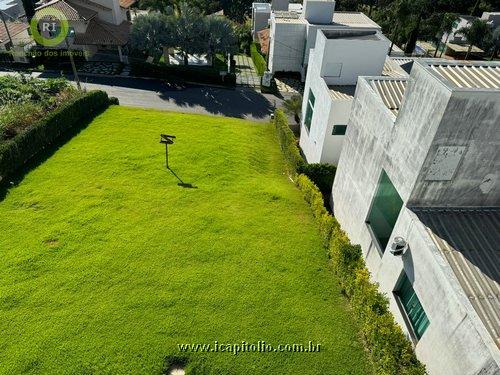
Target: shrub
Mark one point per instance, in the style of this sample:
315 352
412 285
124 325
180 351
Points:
196 74
15 152
258 59
114 101
288 143
389 349
321 174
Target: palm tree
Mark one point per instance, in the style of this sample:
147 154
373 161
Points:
475 34
446 27
220 37
293 107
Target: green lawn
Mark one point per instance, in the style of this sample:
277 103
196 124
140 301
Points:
107 264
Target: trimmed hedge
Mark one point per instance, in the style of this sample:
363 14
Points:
196 74
389 349
288 143
258 59
321 174
17 151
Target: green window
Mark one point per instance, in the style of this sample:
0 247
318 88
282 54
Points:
412 306
385 210
339 129
310 110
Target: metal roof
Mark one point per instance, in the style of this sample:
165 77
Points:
355 19
342 92
477 76
391 91
469 240
393 69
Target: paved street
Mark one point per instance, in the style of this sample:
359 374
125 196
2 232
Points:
241 102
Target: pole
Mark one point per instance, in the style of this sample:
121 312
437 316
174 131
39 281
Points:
166 155
73 66
6 29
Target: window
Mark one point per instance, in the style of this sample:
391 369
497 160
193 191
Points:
385 209
310 110
412 307
339 129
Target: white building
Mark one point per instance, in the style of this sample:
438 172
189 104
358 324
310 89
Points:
455 36
424 166
261 13
293 34
335 63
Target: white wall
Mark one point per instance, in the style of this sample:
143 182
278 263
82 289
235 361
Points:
286 49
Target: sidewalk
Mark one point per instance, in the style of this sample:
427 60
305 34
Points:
246 75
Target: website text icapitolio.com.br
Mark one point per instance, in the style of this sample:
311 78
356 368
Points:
247 347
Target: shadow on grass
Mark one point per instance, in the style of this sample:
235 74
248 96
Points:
16 178
182 183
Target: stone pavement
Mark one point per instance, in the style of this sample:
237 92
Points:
289 86
246 75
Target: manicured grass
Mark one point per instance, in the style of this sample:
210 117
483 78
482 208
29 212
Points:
107 264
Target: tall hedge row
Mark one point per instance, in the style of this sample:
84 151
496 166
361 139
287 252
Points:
258 59
389 349
17 151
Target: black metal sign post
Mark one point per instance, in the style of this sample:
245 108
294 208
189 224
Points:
167 140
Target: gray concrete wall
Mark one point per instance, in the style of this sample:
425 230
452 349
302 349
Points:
472 121
455 342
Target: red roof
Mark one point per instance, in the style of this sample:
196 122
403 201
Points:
14 29
127 3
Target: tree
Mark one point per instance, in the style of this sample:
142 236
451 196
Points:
29 9
220 36
237 10
475 33
150 33
189 26
293 107
447 25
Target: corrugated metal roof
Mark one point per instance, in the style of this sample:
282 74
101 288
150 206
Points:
391 91
357 19
469 239
339 92
393 69
485 76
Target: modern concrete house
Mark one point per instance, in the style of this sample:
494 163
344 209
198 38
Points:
455 36
335 63
94 25
417 186
293 34
261 13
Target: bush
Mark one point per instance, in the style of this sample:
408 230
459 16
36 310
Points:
15 152
389 349
321 174
196 74
258 59
114 101
288 143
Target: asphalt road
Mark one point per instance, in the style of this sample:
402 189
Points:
136 92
